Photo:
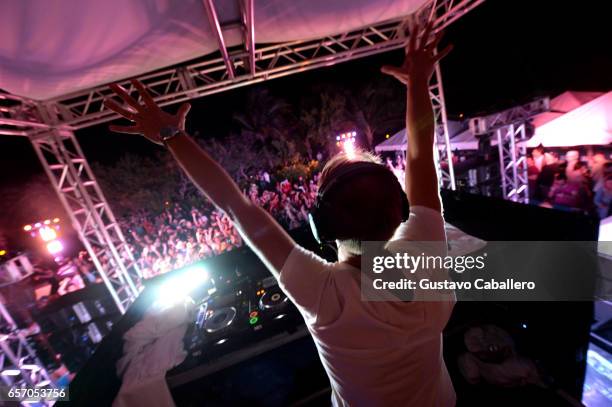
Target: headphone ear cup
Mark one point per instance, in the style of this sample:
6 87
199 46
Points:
405 207
323 223
319 224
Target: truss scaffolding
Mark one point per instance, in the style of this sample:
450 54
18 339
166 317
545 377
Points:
19 365
509 127
90 215
50 124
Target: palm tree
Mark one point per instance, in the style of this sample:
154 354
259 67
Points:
322 118
376 108
265 126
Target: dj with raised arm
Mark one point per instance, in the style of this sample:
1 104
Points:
375 353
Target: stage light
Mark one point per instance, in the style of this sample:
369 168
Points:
56 220
338 138
349 148
55 247
47 222
2 252
38 224
387 136
177 288
47 234
27 228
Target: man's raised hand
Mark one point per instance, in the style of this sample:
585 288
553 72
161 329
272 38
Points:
421 56
148 118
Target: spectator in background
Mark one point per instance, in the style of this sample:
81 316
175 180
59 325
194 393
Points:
546 177
539 159
596 164
603 198
603 173
567 195
532 175
573 174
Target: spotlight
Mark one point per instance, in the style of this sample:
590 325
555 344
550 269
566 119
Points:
178 287
55 246
2 252
47 234
27 228
349 148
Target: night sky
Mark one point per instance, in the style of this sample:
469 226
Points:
506 52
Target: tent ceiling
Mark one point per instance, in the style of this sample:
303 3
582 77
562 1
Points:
576 118
589 124
55 48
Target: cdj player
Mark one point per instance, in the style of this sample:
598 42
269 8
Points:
240 318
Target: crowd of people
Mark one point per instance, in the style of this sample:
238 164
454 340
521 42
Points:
572 183
181 235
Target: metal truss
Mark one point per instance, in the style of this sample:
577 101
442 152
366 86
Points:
19 365
509 127
513 162
518 114
444 153
50 124
249 64
64 162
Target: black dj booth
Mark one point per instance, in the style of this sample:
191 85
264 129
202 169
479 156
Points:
273 361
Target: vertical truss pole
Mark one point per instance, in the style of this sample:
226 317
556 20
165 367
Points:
443 149
215 26
91 216
248 7
513 162
19 360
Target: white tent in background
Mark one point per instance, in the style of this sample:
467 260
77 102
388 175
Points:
397 142
588 124
465 139
564 103
589 110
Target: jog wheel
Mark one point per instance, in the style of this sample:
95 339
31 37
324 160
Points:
220 319
272 299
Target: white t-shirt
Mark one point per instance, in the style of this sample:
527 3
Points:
375 353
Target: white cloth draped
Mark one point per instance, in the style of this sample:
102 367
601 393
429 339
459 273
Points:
53 48
151 348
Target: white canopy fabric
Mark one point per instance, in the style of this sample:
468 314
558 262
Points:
459 140
575 118
52 48
397 142
589 124
564 103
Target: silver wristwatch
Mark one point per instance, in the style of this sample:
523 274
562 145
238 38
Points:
168 132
